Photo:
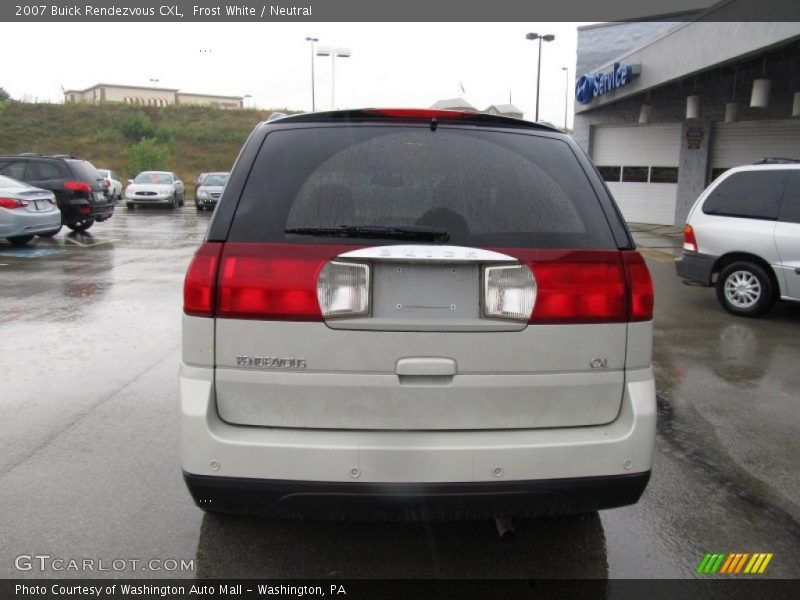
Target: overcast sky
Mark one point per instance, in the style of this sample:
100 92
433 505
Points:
392 64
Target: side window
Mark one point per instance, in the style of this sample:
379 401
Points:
749 194
47 171
790 206
15 169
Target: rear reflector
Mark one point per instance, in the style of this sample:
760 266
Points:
199 283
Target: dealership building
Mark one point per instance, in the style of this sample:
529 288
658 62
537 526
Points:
664 107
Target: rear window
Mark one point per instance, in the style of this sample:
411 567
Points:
748 194
486 188
84 170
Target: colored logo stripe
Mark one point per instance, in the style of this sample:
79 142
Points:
734 563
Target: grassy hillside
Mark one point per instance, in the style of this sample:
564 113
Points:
200 138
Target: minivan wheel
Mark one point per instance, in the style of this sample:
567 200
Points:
81 225
20 240
745 289
174 202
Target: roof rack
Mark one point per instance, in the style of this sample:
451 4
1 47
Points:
776 161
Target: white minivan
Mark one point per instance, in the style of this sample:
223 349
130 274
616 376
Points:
743 236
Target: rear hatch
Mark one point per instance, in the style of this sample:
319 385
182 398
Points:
413 277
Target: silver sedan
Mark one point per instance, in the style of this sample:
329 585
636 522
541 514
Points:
26 211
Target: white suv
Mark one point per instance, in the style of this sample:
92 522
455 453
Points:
416 313
743 236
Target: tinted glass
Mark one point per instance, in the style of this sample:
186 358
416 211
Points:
48 170
15 170
634 174
485 188
790 206
85 171
750 194
610 173
663 174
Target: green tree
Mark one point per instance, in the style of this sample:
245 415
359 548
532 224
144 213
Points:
4 95
136 128
147 155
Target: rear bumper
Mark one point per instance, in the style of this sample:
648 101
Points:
75 210
536 464
367 501
27 223
696 267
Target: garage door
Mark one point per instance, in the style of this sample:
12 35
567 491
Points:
744 143
640 166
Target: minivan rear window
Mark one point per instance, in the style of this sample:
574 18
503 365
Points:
747 194
485 188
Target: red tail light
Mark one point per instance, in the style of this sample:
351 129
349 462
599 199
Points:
77 186
689 241
640 287
272 281
13 203
199 285
588 286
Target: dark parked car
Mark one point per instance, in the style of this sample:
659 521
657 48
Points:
78 186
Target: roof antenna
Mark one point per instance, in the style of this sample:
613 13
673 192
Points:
434 125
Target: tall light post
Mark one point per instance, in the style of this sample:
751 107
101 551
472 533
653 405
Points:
333 53
313 40
566 94
154 82
548 37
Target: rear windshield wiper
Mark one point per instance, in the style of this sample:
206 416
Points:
411 232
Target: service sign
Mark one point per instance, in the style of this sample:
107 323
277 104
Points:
591 85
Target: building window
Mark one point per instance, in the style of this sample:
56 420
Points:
634 174
663 174
610 173
716 172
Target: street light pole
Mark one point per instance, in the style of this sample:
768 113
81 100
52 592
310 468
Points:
566 94
313 99
154 82
547 38
333 53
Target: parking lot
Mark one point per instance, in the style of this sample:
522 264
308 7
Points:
89 462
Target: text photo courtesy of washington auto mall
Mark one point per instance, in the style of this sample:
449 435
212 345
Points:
364 300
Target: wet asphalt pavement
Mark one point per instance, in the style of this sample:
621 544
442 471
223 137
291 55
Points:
89 463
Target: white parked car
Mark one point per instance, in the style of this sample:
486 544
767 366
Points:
433 313
743 236
113 184
155 187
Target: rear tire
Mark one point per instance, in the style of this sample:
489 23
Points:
130 205
81 225
50 233
20 240
745 289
